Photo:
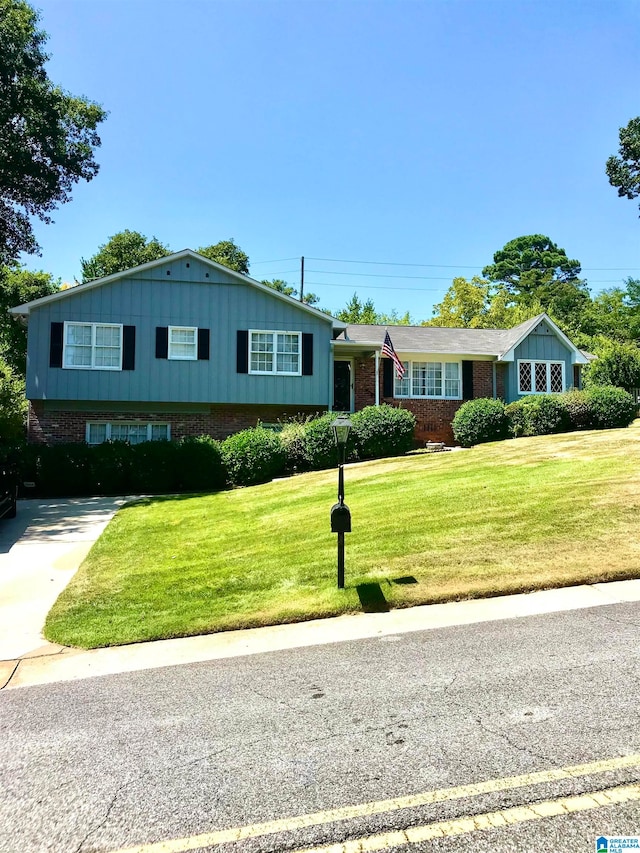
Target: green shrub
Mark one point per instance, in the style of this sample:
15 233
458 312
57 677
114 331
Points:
477 421
610 407
110 468
541 414
61 470
319 444
253 456
293 441
380 431
200 465
577 407
154 467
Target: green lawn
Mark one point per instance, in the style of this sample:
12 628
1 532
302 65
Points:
505 517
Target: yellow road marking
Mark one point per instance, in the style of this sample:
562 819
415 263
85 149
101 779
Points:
489 820
289 824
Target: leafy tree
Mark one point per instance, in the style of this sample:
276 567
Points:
122 251
536 270
477 304
13 410
286 288
528 263
17 286
281 286
464 304
624 171
227 253
617 364
394 319
357 312
47 136
611 314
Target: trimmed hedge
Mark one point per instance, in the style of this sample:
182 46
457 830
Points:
380 431
610 407
537 415
117 468
599 407
253 456
477 421
319 444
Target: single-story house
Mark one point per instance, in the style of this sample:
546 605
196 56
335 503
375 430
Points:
184 346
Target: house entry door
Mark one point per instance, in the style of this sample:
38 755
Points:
342 386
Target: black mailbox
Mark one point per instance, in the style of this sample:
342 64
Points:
340 519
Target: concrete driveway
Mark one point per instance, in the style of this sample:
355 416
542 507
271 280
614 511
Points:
40 551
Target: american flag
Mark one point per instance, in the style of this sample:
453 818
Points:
388 350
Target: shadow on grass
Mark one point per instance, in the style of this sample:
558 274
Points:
372 598
406 579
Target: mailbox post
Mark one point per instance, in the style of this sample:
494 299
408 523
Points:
340 514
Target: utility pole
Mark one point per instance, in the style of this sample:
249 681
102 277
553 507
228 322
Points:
301 278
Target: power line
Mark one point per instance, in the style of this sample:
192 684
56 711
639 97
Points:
276 261
451 266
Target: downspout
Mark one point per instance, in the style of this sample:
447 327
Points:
494 380
377 378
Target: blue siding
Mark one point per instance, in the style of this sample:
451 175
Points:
193 295
541 344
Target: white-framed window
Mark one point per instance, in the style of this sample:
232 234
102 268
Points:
275 352
436 379
135 432
92 346
183 343
540 377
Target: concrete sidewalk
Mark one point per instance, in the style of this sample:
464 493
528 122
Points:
62 664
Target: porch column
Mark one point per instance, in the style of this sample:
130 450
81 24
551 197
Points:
377 378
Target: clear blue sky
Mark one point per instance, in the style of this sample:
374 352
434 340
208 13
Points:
426 133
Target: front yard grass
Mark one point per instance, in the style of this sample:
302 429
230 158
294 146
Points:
511 516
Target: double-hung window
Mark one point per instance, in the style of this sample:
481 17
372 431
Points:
434 379
134 432
540 377
183 343
93 346
275 352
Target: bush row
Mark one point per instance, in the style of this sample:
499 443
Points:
598 407
203 464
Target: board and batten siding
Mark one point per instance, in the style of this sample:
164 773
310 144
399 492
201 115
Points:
541 344
181 293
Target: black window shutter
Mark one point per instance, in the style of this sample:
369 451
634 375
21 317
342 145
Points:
162 341
55 345
242 355
307 354
128 347
387 377
203 344
467 380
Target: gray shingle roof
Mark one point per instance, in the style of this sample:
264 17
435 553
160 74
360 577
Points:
434 339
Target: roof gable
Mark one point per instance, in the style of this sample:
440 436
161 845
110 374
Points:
186 254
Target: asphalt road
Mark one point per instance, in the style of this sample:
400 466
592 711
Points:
169 754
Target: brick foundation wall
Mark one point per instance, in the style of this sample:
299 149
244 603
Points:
433 417
54 427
